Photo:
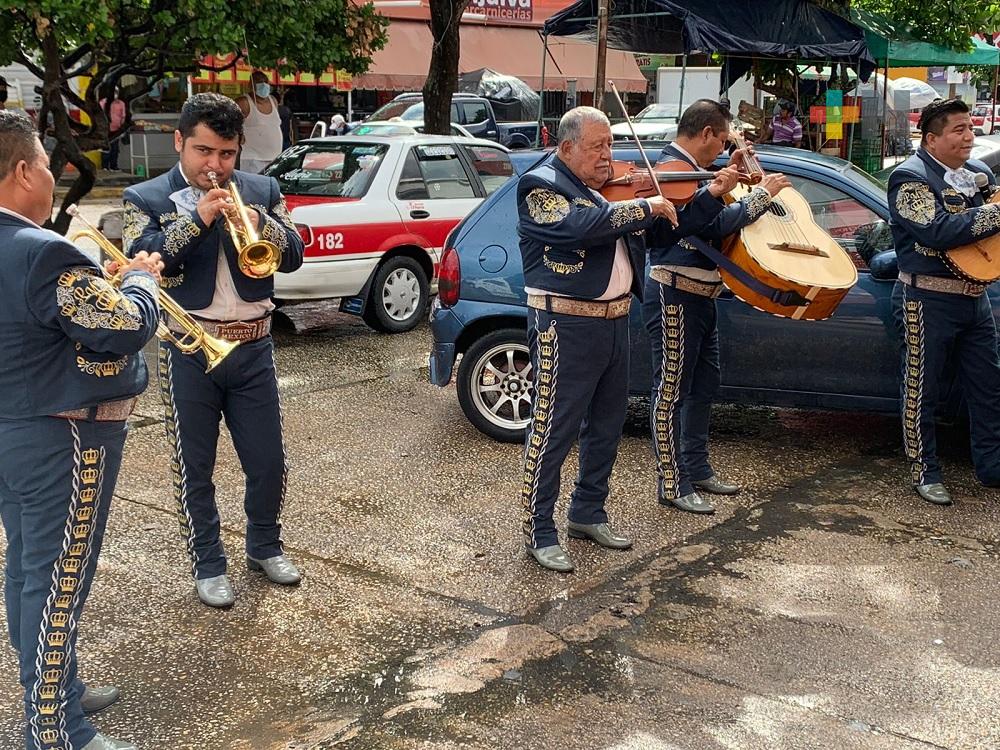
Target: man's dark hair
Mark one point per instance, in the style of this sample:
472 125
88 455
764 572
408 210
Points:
18 141
701 114
936 114
218 113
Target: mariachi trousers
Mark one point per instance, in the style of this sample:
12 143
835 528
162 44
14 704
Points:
244 389
684 338
938 329
57 477
581 390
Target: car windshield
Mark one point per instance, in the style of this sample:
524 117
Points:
340 169
981 111
404 110
655 112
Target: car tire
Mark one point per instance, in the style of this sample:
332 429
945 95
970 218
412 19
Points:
399 295
496 383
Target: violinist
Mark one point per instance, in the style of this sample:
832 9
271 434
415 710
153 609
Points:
583 259
680 315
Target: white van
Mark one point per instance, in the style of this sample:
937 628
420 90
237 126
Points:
21 84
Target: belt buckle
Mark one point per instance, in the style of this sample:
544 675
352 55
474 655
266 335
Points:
238 331
972 290
617 308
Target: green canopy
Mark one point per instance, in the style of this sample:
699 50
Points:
903 51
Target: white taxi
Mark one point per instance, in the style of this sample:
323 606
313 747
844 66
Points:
374 213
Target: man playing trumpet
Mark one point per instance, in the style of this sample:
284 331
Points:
183 216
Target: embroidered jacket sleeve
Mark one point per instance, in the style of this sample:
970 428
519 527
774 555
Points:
561 221
276 226
66 289
692 218
738 214
915 208
174 235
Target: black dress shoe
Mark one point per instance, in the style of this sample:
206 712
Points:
934 493
716 486
692 503
600 533
98 698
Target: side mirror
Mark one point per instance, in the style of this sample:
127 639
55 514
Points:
883 266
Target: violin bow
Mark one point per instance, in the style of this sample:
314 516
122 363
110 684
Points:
649 167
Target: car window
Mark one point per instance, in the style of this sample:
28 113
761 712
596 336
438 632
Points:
433 171
491 164
475 112
343 170
858 229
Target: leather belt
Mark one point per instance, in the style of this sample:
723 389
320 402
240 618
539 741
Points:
109 411
234 330
616 308
941 284
676 280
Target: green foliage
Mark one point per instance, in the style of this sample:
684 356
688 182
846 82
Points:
61 40
949 24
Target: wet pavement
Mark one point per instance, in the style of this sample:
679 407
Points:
824 607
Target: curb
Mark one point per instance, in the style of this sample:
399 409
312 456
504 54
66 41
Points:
97 193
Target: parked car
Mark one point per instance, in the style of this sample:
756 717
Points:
657 122
376 127
475 113
374 211
846 362
982 119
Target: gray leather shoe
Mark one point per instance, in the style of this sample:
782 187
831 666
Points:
552 558
934 493
716 486
98 698
693 503
278 568
216 591
598 532
100 742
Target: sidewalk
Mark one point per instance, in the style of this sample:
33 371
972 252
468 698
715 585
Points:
108 184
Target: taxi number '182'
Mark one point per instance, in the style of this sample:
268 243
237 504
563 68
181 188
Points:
330 240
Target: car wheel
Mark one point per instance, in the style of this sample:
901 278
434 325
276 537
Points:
496 385
398 297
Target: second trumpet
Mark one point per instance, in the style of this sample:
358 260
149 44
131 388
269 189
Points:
257 258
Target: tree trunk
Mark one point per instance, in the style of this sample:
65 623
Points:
67 148
442 77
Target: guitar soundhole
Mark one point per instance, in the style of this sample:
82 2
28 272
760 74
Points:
778 209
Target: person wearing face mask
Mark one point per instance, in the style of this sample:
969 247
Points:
945 322
261 126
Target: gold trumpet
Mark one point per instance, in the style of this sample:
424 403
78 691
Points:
195 338
257 258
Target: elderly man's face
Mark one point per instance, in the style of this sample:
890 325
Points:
589 158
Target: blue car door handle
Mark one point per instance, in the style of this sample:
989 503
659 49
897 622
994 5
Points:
419 214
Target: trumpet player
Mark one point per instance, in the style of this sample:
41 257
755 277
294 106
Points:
71 371
205 235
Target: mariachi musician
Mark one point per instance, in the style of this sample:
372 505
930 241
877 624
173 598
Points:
936 204
182 214
680 315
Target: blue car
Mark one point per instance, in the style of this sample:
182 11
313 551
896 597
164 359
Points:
848 362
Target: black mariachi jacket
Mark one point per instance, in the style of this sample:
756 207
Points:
569 234
154 223
731 219
70 339
929 216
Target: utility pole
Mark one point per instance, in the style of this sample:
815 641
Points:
602 53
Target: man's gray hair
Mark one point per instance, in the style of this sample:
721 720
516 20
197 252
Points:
571 124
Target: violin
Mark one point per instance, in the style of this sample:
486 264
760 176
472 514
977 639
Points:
677 181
